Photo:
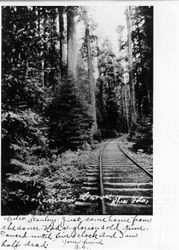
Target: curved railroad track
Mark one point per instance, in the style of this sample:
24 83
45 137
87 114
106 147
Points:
116 184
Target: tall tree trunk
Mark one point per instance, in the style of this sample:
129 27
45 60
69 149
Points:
127 106
42 21
92 84
59 46
101 91
57 27
72 56
123 87
124 112
146 80
133 112
40 30
63 53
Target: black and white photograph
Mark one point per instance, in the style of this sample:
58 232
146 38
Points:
77 110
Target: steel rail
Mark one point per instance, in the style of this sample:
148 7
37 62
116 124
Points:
103 207
149 174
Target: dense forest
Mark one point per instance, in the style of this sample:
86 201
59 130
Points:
64 90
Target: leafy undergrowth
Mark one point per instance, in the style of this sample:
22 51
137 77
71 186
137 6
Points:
143 139
49 186
142 158
144 142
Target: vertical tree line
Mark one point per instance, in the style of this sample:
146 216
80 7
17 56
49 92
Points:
136 67
51 97
41 100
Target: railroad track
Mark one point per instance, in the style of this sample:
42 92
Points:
116 184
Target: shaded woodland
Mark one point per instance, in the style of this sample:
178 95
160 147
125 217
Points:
65 89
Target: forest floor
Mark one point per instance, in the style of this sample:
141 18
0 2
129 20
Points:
46 186
53 186
142 158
